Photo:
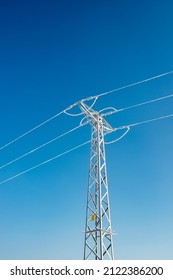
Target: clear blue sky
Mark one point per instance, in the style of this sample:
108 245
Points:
53 53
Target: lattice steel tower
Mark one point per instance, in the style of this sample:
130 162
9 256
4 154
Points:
98 233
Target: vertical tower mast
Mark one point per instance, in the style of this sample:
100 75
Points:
98 234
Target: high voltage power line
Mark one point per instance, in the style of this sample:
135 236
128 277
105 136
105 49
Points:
138 105
79 146
31 130
41 146
77 127
98 231
44 162
82 124
88 98
133 84
152 120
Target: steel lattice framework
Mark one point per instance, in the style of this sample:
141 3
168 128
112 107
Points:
98 234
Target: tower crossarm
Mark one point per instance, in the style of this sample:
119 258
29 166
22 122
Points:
94 117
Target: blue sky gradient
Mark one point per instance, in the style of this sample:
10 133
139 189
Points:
53 53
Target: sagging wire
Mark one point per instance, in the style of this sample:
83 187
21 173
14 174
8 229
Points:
66 152
77 103
86 99
108 108
116 140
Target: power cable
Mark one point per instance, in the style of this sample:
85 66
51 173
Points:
133 84
41 146
148 121
75 148
44 162
29 131
88 98
137 105
115 90
116 140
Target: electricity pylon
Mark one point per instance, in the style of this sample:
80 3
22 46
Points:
98 233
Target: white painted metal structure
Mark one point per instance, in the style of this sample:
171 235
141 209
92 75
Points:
98 233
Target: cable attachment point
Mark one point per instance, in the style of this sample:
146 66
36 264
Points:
119 138
82 121
112 110
77 104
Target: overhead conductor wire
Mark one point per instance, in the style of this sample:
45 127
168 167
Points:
88 98
71 106
77 147
137 105
133 84
152 120
44 162
41 146
29 131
